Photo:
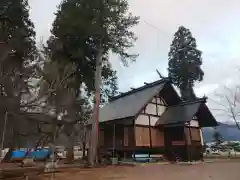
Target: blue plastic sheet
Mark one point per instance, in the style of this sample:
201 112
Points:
39 154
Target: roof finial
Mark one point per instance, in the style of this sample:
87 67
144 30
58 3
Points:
160 75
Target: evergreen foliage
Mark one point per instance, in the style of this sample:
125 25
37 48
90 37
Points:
217 138
185 63
81 26
16 28
17 52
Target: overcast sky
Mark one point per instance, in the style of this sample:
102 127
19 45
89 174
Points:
214 23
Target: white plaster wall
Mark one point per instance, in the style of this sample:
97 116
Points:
161 109
153 120
142 120
154 100
151 109
194 123
160 101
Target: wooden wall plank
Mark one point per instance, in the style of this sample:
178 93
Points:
142 136
157 137
126 136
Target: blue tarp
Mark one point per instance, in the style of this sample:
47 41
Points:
39 154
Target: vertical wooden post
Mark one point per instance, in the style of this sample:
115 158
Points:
114 139
150 134
156 106
134 136
186 141
190 136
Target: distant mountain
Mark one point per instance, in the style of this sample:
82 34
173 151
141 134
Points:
229 132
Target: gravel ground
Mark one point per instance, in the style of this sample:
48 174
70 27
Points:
217 170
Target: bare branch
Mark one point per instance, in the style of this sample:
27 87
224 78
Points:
229 103
218 103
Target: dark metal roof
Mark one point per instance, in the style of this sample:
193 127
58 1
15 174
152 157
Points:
130 103
184 113
178 114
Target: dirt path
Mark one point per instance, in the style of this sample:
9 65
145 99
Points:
222 170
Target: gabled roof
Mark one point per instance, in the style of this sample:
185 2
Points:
178 114
184 112
130 103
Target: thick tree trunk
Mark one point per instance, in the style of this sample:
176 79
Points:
84 150
8 155
70 150
95 120
70 155
12 147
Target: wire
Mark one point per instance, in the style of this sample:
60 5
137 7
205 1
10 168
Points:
156 28
166 33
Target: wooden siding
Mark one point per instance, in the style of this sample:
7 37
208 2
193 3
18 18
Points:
125 143
193 135
178 143
118 137
101 138
149 137
157 137
195 132
142 136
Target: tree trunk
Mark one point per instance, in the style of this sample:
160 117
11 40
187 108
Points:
95 120
12 147
70 150
84 149
70 155
3 133
8 155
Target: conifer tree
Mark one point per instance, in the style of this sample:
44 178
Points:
16 28
84 32
81 26
17 38
184 66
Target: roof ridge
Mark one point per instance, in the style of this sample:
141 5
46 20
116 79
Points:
198 100
134 90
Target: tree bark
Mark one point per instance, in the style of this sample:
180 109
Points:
95 120
3 133
70 155
70 149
